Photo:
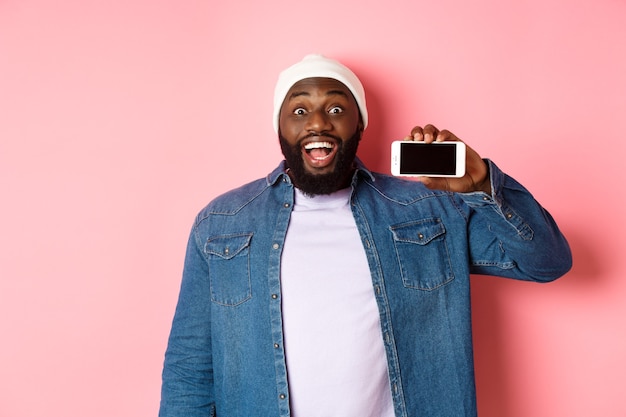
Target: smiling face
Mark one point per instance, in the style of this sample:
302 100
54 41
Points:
319 130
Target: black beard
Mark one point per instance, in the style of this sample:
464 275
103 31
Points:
319 184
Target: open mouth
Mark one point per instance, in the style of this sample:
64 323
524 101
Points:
319 151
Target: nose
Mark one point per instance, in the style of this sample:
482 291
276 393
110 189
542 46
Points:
318 121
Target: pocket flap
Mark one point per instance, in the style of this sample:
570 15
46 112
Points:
421 232
228 246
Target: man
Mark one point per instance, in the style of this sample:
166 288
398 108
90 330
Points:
329 290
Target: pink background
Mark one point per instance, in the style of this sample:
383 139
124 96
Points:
119 120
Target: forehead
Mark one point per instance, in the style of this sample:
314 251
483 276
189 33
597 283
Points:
318 85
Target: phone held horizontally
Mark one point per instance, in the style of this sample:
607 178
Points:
420 159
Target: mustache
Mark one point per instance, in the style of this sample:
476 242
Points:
320 135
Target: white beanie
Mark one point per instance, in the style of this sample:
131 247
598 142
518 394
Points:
316 65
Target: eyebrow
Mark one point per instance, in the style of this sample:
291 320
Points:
328 93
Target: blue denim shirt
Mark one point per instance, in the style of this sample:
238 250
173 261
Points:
225 354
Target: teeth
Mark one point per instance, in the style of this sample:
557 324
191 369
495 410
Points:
314 145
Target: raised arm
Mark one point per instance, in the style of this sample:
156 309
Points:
511 234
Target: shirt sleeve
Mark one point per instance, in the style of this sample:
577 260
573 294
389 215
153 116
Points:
187 386
512 235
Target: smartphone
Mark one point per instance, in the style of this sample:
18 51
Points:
420 159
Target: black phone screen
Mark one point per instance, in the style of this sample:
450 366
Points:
427 159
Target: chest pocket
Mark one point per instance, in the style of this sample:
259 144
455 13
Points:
422 253
229 268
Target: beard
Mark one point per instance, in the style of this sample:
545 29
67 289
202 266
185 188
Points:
319 184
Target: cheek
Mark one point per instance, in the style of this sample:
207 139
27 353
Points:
351 125
283 122
289 129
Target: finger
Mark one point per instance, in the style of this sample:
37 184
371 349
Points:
430 133
446 135
416 134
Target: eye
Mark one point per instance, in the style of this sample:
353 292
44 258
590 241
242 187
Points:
299 111
335 110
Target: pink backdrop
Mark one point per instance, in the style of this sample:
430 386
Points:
119 120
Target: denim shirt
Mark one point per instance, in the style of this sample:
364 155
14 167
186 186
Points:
225 353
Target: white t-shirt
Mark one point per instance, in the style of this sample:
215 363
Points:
336 361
